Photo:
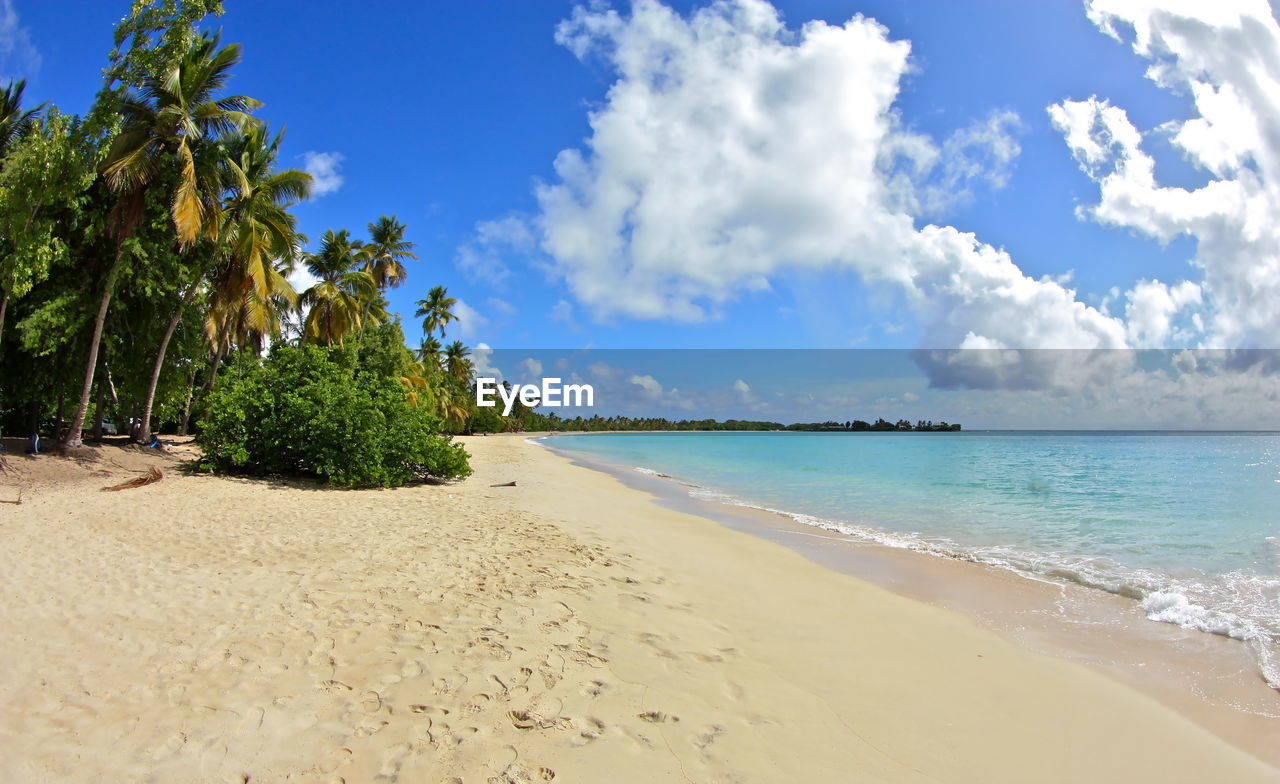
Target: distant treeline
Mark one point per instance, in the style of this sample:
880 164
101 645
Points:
532 420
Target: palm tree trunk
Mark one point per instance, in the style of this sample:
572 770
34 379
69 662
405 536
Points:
217 363
145 434
4 305
186 406
97 410
59 415
73 438
213 375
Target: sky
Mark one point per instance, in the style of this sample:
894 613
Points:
740 175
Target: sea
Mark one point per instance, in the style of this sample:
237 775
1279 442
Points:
1186 524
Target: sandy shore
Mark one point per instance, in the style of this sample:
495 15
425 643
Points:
204 629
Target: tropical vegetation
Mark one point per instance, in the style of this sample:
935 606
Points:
146 252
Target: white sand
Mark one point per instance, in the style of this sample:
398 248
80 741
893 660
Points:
204 629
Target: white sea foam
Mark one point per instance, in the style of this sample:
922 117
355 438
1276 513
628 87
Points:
1239 605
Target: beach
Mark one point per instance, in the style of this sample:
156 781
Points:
565 628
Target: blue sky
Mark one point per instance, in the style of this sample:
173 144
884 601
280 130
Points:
452 115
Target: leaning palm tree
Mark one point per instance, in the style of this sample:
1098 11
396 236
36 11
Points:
456 364
386 252
167 124
258 242
436 310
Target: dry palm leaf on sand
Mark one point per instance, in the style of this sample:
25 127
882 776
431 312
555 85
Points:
152 475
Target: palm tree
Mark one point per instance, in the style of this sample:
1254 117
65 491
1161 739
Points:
386 251
436 310
167 119
13 121
13 124
429 352
341 300
456 364
416 380
451 402
168 122
259 240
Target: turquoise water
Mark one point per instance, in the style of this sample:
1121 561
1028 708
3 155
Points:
1188 524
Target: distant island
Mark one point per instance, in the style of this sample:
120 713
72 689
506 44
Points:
534 421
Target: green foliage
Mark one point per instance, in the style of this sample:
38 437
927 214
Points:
313 411
382 351
487 420
42 185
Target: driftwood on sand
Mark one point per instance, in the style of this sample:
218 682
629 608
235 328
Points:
504 484
152 475
3 501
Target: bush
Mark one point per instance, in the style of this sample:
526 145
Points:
313 411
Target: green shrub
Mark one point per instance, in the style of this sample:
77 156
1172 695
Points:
313 411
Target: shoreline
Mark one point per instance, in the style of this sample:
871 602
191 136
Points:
220 629
1210 678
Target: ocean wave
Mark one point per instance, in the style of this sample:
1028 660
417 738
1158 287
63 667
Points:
1240 605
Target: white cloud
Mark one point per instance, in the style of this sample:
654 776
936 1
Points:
19 57
325 169
1152 308
469 321
562 312
301 279
983 152
503 307
531 366
484 257
648 383
482 360
1223 56
731 149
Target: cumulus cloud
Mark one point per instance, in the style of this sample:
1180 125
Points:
484 257
531 366
482 358
731 149
562 313
501 306
1223 56
1152 308
648 383
469 321
325 169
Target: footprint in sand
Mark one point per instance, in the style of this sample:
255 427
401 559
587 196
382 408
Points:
372 702
708 736
170 746
429 710
592 732
477 704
